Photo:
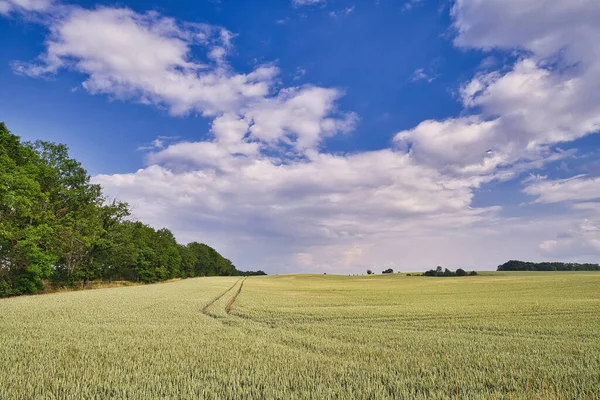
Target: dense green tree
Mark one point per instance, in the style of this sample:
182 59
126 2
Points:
209 262
27 253
55 225
82 215
188 261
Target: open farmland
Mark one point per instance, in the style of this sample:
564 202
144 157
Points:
502 335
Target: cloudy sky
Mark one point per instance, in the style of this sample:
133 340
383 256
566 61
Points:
326 135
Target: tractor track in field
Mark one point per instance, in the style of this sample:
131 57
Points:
234 298
210 303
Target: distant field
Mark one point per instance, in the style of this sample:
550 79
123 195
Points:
500 335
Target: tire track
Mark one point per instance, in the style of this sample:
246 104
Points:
234 298
210 303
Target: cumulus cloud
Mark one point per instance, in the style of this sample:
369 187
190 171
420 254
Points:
146 57
263 188
301 113
322 205
540 26
522 113
550 96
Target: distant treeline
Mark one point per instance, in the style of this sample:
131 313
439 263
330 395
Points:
56 228
515 265
439 271
251 273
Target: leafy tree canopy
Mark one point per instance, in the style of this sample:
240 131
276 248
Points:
58 227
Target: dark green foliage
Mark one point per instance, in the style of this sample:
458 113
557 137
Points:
252 273
388 271
27 219
56 226
515 265
208 262
446 272
369 272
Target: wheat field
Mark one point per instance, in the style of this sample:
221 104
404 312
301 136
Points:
496 335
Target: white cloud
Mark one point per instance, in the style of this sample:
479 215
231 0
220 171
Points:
147 57
306 2
299 115
300 72
488 62
550 96
8 6
344 12
323 205
522 113
421 75
540 26
582 195
157 143
409 5
582 239
578 188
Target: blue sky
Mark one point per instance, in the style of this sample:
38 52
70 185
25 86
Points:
323 135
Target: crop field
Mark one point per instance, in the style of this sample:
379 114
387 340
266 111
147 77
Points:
499 335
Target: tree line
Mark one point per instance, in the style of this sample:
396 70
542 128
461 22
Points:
439 271
58 229
515 265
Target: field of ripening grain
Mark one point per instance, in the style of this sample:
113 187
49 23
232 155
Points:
501 335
